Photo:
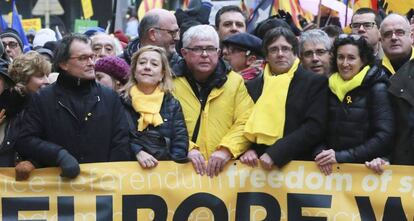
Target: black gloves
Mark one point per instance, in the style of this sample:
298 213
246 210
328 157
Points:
68 164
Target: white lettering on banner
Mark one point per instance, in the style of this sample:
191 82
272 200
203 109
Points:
296 179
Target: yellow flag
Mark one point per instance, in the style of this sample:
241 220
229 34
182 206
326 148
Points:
87 9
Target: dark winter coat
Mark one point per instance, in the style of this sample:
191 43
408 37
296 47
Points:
361 127
82 117
402 94
306 117
173 126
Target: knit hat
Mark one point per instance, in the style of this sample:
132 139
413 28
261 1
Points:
122 38
9 32
114 67
43 36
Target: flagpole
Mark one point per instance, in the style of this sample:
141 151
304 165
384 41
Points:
346 13
318 23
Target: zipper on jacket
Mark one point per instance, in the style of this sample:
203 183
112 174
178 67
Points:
69 110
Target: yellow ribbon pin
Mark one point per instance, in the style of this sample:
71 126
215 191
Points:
348 99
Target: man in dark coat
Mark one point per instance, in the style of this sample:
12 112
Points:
298 100
398 62
75 120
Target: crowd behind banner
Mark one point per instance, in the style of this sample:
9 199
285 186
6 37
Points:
186 90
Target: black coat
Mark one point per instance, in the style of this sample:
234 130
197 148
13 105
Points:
15 106
173 126
402 94
84 118
306 117
361 127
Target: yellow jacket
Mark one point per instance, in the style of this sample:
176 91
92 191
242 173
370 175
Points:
223 118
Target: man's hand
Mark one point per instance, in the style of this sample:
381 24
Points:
266 161
217 161
325 157
68 164
2 116
198 161
250 158
377 165
146 160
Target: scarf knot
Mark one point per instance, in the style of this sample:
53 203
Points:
148 106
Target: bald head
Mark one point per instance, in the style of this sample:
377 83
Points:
159 27
396 37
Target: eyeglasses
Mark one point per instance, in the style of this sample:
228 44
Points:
200 50
366 25
84 58
234 50
11 44
389 34
317 52
173 33
283 49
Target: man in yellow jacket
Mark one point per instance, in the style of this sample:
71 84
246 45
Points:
215 102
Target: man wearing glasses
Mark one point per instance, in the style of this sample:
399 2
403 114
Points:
12 43
314 51
159 27
243 52
289 117
74 120
365 22
214 99
398 62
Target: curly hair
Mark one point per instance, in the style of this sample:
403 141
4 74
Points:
366 52
166 83
27 65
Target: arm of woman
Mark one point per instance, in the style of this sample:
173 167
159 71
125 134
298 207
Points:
179 140
382 128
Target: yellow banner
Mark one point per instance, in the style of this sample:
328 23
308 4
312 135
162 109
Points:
32 24
87 8
124 191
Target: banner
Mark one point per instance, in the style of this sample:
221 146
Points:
32 24
124 191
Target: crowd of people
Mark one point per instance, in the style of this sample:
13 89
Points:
189 91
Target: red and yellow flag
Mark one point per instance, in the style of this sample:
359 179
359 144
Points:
147 5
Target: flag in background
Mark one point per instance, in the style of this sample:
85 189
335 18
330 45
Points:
3 24
357 4
260 13
17 25
398 6
147 5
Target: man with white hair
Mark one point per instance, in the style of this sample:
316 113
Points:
215 102
314 51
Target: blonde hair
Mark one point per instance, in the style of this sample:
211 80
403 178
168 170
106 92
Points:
166 84
25 66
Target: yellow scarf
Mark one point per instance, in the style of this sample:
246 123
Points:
341 87
387 63
267 121
148 106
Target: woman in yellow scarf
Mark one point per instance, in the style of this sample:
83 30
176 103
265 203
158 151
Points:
361 123
157 127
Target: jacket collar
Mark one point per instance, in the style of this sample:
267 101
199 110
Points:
216 79
74 84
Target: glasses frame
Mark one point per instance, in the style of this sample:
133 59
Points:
283 49
317 52
84 58
16 44
199 50
366 25
173 33
398 33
